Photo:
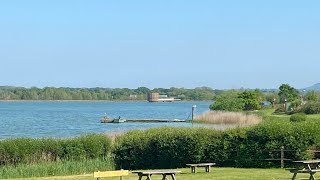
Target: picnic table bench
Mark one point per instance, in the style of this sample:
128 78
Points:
309 166
103 174
206 165
164 174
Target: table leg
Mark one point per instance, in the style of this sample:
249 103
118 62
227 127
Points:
294 176
148 177
208 168
164 177
193 169
312 176
173 176
140 177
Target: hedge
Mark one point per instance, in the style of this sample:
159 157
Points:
246 147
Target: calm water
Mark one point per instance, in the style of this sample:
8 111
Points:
65 119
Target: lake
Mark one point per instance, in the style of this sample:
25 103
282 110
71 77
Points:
73 118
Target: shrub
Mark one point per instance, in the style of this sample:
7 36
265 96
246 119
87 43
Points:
311 108
227 101
245 147
299 117
161 147
294 104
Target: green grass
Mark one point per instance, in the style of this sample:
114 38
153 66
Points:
216 173
267 114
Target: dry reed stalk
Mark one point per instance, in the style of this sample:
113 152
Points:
223 117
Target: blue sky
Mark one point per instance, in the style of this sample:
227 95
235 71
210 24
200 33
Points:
168 43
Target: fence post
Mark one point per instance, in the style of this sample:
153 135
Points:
282 156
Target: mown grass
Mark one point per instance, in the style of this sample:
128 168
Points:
59 168
268 114
217 174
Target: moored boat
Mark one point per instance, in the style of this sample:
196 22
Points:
106 119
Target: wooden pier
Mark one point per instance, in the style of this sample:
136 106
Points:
154 120
122 120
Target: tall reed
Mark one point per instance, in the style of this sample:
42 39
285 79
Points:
58 168
223 117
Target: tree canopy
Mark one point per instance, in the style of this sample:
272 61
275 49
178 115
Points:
288 93
228 101
237 101
250 100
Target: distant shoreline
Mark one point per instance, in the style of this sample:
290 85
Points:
93 101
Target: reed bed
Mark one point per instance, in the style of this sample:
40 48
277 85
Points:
223 117
60 168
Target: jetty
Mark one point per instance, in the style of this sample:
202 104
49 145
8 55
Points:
122 120
155 120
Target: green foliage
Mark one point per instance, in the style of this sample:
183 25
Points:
250 100
58 168
173 147
311 96
295 104
272 97
311 108
161 148
227 101
52 93
288 93
29 151
238 101
299 117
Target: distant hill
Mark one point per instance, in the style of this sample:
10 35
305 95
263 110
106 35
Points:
315 87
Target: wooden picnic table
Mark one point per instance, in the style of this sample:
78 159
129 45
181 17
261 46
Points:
309 166
206 165
163 172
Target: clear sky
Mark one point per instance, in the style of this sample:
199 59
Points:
162 43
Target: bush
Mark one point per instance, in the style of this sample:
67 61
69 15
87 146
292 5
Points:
227 101
245 147
299 117
311 108
161 148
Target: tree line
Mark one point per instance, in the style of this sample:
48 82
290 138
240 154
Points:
98 93
286 100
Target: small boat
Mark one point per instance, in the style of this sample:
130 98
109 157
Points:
106 119
119 120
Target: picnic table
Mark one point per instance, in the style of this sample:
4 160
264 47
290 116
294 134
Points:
162 172
206 165
308 166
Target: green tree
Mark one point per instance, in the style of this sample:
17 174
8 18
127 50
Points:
311 96
227 101
202 93
272 97
250 100
142 90
288 93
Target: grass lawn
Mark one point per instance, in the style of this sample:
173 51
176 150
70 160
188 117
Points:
216 173
269 113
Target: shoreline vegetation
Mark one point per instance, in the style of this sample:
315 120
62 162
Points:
223 117
260 133
98 93
1 100
236 147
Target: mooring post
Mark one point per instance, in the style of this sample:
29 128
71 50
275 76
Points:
193 110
